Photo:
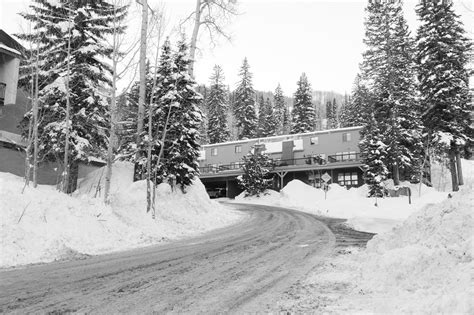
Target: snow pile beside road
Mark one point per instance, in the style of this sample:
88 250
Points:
352 204
43 224
426 262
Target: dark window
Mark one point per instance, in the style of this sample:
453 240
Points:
348 179
214 151
346 137
238 148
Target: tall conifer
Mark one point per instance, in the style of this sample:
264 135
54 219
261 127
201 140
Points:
244 104
303 111
218 130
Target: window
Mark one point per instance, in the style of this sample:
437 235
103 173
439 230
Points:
346 156
238 148
346 137
348 179
314 140
214 151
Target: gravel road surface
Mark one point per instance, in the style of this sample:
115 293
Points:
238 269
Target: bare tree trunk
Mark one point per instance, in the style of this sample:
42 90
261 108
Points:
192 48
35 122
150 129
68 114
142 91
113 115
30 133
452 168
459 168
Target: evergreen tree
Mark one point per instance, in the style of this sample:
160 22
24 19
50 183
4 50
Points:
245 104
164 109
344 111
303 111
182 145
82 26
218 108
331 114
387 71
375 151
286 121
280 108
266 118
129 148
359 105
442 56
256 177
261 116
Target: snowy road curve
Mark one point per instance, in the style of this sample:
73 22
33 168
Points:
242 268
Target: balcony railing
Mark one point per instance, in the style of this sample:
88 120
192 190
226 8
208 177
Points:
310 160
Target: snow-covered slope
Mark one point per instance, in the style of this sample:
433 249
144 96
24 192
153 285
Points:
43 224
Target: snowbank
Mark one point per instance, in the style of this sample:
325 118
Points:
43 225
352 204
426 262
422 266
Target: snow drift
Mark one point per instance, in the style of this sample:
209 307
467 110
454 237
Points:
352 204
43 224
428 260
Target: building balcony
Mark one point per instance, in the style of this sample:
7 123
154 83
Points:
297 164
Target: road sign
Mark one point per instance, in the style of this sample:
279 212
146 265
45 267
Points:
326 177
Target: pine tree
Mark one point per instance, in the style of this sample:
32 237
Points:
387 71
344 111
280 108
245 104
130 117
331 114
218 130
83 26
262 116
182 145
256 177
164 107
375 151
442 56
303 111
286 121
266 119
359 105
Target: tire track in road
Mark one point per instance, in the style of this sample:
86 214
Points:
236 269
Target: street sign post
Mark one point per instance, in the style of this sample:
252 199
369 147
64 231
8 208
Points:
326 178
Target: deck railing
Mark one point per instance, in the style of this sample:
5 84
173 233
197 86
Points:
277 163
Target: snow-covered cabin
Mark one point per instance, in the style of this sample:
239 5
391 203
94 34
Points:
304 156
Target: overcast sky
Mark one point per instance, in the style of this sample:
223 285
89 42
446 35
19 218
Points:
281 39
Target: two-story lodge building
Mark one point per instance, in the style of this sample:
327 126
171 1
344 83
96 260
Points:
305 156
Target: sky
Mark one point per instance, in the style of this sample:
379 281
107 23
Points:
281 39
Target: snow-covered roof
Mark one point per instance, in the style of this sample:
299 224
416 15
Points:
283 137
9 45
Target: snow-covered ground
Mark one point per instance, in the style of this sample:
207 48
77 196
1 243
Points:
352 204
422 266
43 225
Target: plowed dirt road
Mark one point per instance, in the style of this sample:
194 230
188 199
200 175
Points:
242 268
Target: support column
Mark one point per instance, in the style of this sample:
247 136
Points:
282 176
